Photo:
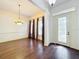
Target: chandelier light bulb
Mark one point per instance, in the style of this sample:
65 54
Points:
52 2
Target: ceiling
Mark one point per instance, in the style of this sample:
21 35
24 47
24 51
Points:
58 2
27 8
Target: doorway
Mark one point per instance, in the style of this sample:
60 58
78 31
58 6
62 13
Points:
40 29
62 29
31 34
65 28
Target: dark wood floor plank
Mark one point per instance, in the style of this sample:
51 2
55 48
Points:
31 49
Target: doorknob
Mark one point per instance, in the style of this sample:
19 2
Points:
68 33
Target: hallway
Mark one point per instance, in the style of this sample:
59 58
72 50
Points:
29 49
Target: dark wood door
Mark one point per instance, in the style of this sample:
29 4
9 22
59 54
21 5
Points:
29 34
43 27
33 30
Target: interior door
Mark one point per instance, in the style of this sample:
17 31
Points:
62 29
65 28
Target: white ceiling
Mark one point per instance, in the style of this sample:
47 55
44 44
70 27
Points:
27 8
58 2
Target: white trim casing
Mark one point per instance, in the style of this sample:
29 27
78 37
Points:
64 11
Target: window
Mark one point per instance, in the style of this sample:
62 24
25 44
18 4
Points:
40 27
62 29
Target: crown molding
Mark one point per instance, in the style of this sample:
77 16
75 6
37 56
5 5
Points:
64 11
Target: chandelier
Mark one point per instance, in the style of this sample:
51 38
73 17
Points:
19 21
52 2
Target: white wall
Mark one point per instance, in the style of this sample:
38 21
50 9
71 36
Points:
62 7
9 30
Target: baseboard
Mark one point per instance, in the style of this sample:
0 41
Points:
13 40
63 45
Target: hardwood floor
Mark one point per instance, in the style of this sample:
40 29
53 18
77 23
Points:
31 49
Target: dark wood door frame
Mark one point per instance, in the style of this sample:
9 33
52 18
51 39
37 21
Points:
43 28
29 34
37 29
33 30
